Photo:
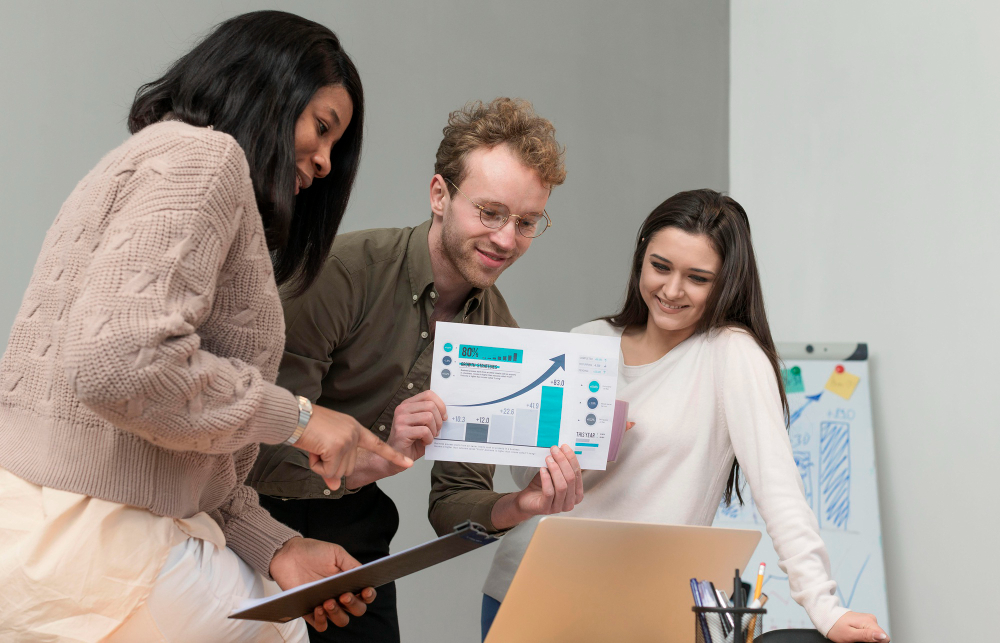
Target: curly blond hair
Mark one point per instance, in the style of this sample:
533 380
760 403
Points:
510 121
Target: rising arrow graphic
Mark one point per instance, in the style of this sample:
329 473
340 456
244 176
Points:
809 400
557 363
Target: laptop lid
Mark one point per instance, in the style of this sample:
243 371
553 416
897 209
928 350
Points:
609 580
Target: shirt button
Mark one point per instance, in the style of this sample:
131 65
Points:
326 492
410 385
381 427
424 334
415 297
433 294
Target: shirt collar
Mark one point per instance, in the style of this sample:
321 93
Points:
421 274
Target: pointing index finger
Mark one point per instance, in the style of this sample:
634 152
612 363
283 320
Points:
371 443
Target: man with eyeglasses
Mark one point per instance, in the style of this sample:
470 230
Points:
361 341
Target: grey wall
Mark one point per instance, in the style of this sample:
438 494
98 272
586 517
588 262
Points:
638 92
865 140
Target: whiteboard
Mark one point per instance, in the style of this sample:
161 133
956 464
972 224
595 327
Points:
833 446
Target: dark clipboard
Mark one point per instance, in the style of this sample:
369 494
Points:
299 601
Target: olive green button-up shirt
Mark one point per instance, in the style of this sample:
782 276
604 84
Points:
359 341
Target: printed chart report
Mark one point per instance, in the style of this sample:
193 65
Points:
512 393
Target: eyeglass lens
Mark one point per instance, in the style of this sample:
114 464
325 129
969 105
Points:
494 215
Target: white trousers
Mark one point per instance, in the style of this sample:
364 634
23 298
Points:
194 593
79 569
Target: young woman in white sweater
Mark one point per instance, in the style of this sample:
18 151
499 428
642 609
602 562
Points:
701 375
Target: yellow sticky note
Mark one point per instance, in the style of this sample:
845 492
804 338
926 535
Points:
842 383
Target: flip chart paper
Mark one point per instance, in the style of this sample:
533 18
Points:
512 393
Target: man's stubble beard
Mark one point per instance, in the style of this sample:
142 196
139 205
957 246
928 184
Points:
465 262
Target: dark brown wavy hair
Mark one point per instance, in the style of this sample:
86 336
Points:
736 299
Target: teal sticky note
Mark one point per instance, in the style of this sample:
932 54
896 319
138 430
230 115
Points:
793 380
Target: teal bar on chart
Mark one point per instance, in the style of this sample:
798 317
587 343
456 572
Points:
550 416
587 444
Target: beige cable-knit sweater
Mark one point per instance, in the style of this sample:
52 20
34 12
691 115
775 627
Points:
141 365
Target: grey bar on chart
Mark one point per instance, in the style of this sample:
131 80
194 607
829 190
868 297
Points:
501 429
452 431
476 432
525 427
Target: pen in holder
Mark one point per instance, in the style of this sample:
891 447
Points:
728 624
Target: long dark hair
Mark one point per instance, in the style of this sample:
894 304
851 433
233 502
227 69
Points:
251 78
736 299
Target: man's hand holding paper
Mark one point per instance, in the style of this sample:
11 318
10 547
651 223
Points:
416 422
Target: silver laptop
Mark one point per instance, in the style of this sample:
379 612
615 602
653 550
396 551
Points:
608 580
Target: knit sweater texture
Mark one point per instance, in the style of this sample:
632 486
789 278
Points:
140 368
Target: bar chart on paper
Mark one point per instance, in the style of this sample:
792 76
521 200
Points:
535 424
514 393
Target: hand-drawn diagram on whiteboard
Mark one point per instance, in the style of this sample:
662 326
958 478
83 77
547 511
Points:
833 446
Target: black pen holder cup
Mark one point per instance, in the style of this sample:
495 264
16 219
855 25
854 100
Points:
709 621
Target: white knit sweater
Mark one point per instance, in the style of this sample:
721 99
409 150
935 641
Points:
710 398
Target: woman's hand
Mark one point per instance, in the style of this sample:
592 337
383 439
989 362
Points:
415 424
303 560
332 440
856 627
556 488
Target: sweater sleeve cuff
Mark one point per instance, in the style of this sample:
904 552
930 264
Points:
255 538
276 417
826 624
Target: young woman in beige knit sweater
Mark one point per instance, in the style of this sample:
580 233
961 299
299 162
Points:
138 378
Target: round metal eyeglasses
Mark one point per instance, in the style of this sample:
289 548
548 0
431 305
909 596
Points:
495 216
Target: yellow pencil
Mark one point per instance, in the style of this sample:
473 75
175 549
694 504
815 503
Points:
760 581
756 598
